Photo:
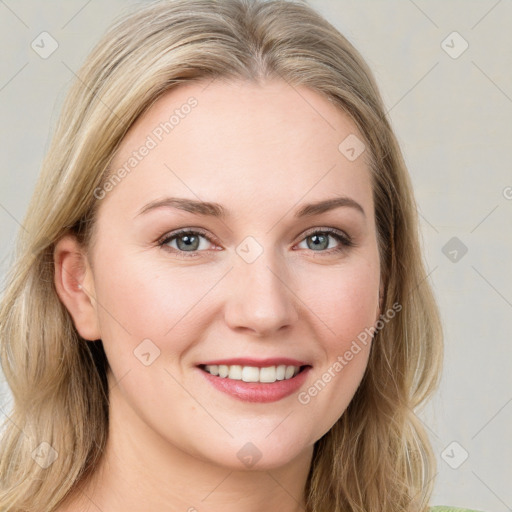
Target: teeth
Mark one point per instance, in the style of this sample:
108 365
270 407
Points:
214 369
290 370
267 374
280 372
235 372
250 374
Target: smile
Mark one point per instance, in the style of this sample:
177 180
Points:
266 374
256 380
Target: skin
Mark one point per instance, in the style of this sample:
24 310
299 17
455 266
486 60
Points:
261 151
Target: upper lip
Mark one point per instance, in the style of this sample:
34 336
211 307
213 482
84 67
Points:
258 363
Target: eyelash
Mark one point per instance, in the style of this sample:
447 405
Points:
345 241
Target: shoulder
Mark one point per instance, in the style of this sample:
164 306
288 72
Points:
440 508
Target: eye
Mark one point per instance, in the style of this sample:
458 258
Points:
319 240
186 242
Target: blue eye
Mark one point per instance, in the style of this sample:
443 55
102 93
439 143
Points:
320 241
189 242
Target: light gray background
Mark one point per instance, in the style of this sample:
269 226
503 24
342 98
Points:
453 119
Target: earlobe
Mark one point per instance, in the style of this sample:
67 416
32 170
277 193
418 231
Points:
75 286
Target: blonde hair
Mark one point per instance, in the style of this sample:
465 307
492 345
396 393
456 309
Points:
377 456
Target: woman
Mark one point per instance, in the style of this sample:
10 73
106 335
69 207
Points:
219 300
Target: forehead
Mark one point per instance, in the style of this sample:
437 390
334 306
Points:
242 144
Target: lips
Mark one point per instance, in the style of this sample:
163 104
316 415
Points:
252 380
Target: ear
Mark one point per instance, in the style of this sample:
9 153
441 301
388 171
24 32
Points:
75 286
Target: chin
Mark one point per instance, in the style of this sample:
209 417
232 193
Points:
259 454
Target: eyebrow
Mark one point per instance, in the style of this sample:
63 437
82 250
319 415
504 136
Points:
217 210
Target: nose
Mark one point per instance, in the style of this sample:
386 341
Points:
261 299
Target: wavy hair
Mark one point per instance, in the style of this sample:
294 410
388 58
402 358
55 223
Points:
377 457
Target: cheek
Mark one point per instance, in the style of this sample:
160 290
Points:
345 303
145 299
131 298
345 300
148 316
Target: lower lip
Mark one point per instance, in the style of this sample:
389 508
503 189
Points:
257 391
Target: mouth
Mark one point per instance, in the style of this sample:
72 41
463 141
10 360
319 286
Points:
247 373
252 380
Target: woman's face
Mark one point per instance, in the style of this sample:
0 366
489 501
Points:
267 284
